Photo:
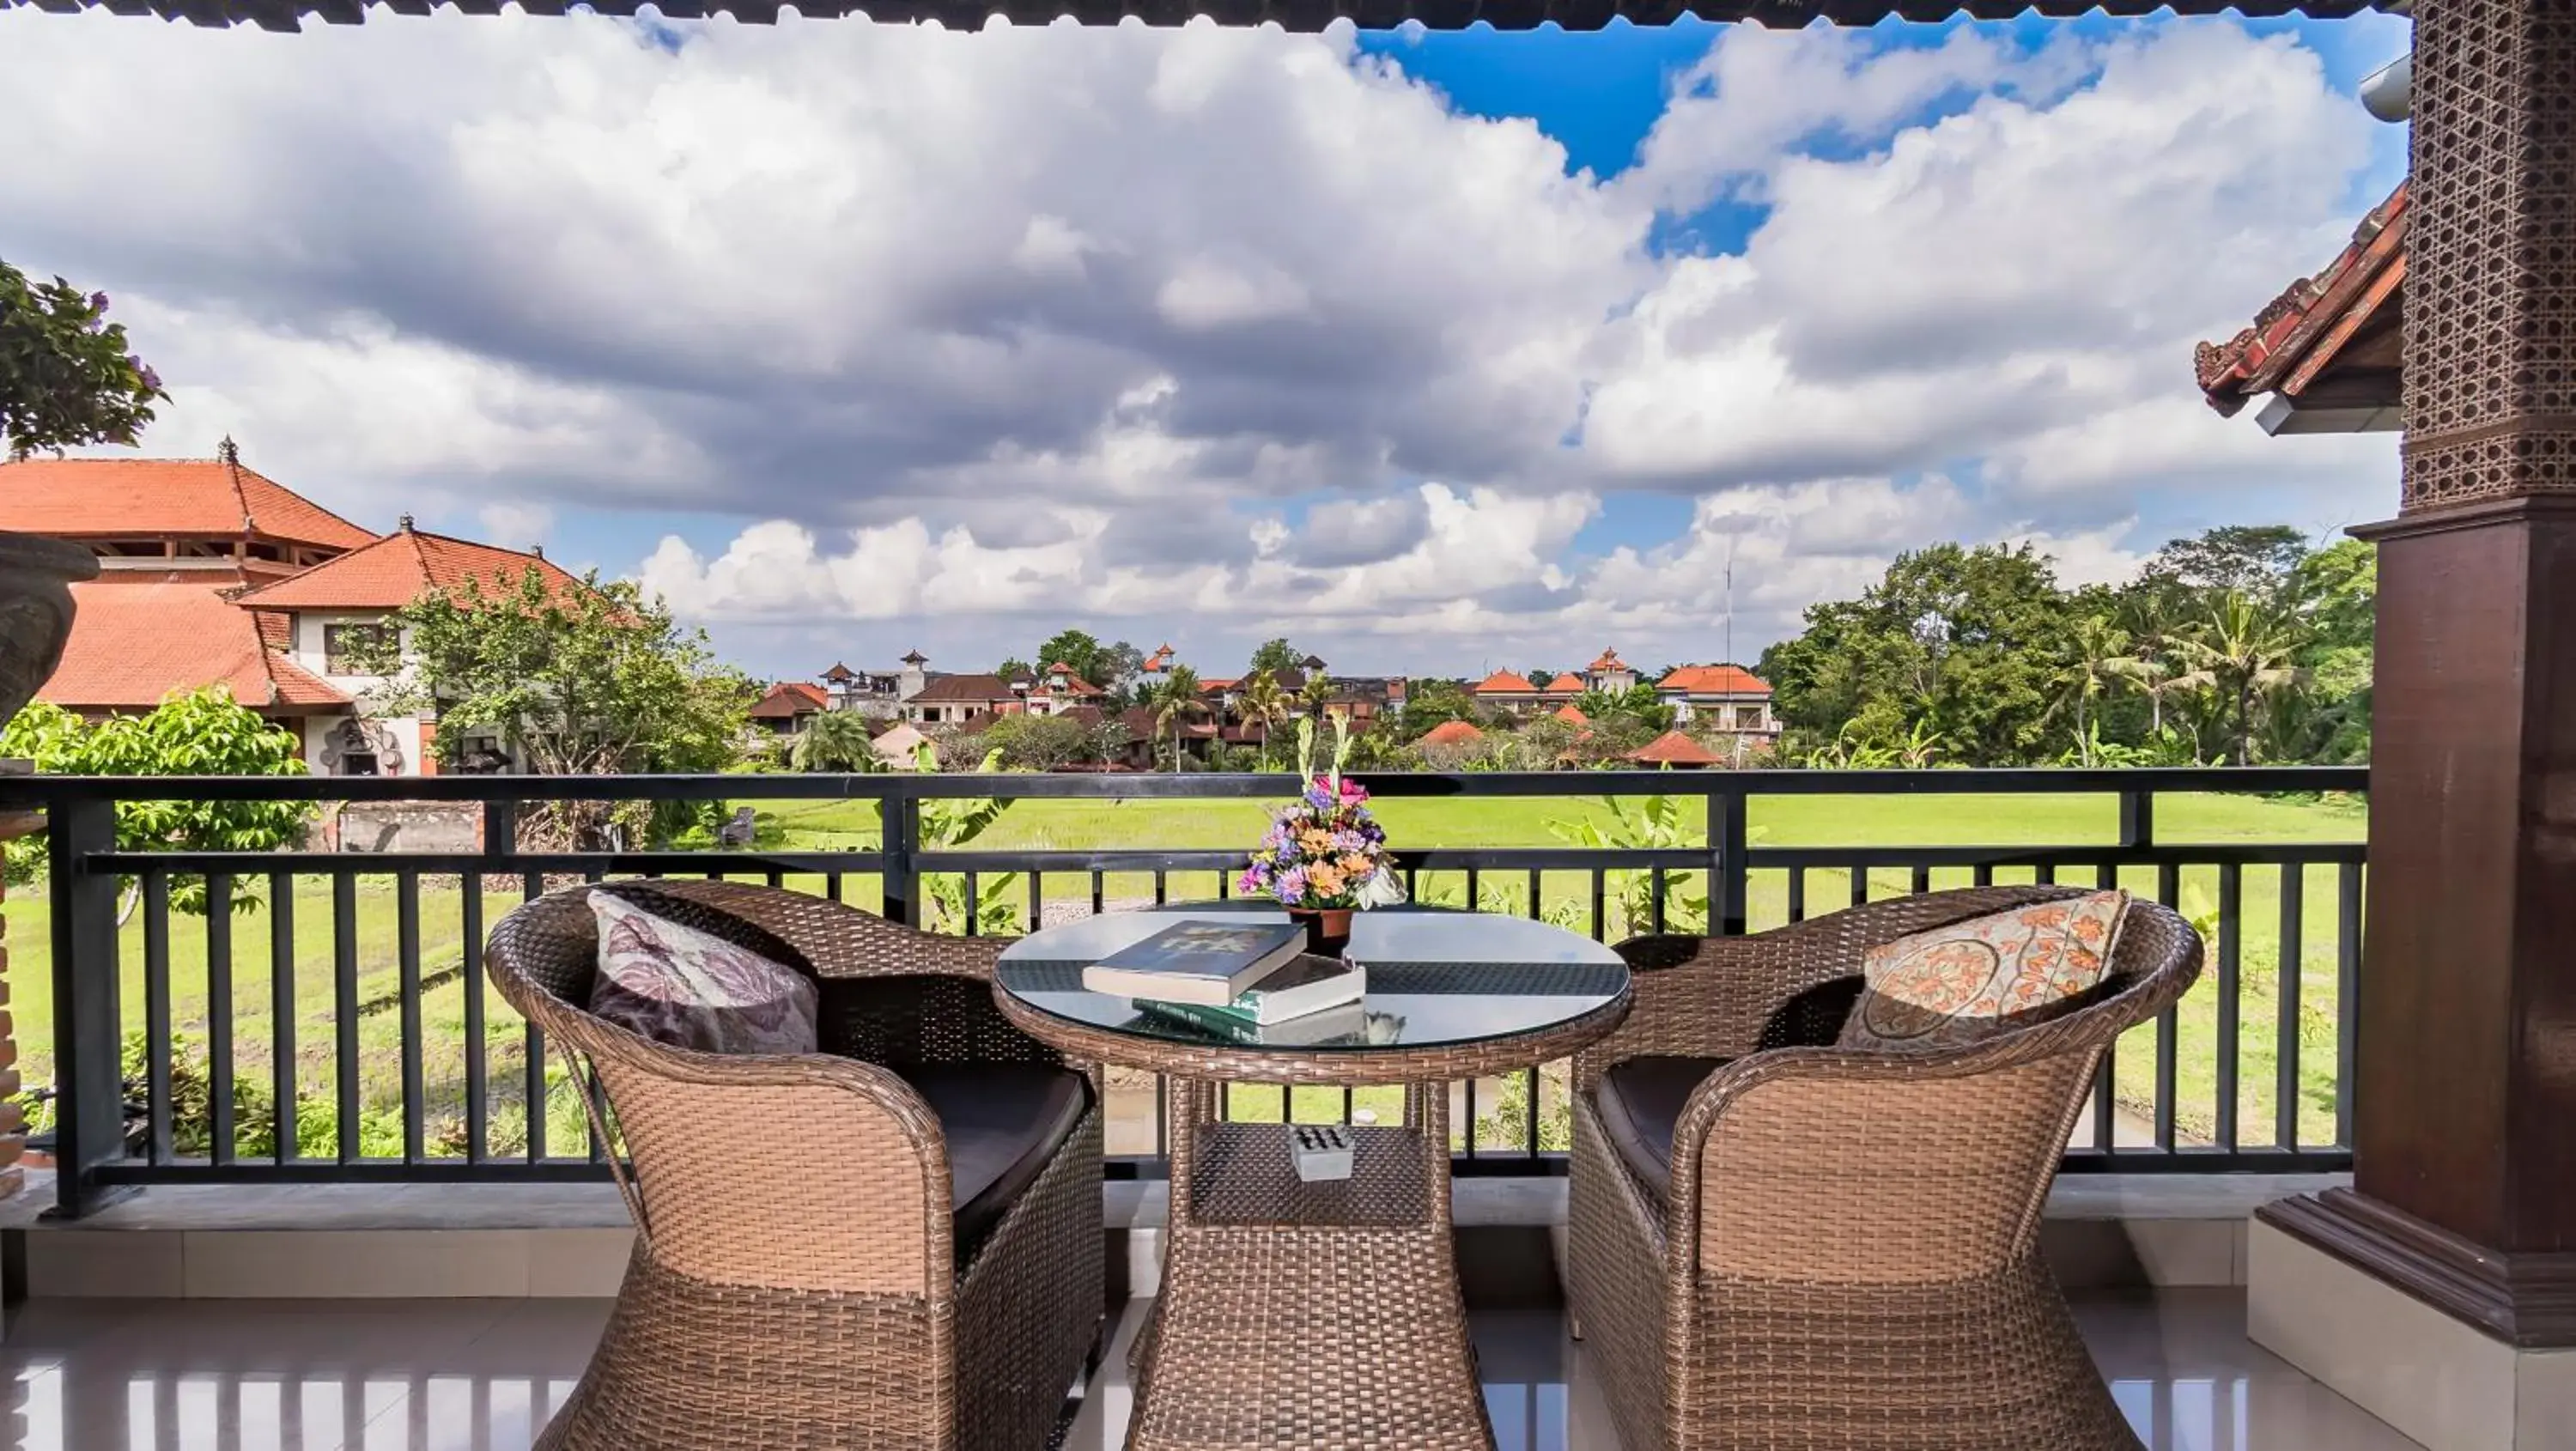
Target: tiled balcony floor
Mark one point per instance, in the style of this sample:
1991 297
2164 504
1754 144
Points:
467 1375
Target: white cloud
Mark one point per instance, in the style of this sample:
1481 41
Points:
887 324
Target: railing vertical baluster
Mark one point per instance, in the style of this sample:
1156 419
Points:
415 1110
1922 881
1099 893
1655 900
1600 905
2285 1090
1162 888
832 885
478 1099
344 1008
1536 889
1797 894
219 1017
1982 875
2137 820
2347 992
283 1084
1037 900
1471 1118
532 1066
1729 873
89 1113
899 835
1475 891
2231 901
158 1048
2168 1028
1859 885
974 900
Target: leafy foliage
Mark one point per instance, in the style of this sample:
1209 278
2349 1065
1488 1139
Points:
199 733
1045 742
66 379
835 742
1637 703
2239 644
948 822
1174 702
587 680
1276 656
1655 823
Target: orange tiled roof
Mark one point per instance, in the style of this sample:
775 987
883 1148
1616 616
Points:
134 645
1568 683
1571 716
1216 687
1713 680
1504 682
100 497
1451 733
1672 748
789 699
1073 684
399 568
1609 661
2299 333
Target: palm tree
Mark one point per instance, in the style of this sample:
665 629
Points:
1316 693
1174 700
2148 617
2242 650
2101 657
836 740
1262 700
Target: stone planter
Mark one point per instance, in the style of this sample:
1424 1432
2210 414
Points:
36 574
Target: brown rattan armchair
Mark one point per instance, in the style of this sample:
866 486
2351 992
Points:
894 1243
1838 1248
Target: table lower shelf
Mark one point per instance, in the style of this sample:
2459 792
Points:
1246 1174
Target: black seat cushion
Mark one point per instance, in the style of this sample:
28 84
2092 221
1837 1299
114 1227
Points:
1003 1122
1640 1100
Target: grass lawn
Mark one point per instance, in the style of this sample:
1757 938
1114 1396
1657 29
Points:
1183 825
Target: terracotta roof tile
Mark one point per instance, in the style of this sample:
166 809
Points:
1504 682
1450 733
135 645
1568 683
962 690
2315 313
93 497
1713 680
1571 716
398 569
789 699
1672 748
1609 661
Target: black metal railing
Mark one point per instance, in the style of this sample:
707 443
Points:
372 1050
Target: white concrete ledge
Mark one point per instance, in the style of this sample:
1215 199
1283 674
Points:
511 1240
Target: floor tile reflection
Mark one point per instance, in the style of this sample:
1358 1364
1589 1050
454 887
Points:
461 1375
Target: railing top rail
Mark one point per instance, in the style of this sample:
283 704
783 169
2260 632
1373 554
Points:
47 790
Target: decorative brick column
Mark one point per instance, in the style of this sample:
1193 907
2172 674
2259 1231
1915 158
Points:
2440 1291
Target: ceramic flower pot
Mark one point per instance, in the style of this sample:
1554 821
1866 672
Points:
36 576
1328 929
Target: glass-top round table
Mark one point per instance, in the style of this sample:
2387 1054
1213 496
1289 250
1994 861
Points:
1320 1313
1450 995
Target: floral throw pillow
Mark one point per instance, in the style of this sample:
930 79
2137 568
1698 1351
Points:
691 989
1953 985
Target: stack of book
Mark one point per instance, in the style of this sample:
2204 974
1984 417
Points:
1250 984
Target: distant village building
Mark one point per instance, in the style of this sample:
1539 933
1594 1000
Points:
788 708
1506 690
214 574
1676 750
1723 697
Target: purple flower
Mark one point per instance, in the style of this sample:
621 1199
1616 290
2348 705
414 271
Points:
98 302
151 380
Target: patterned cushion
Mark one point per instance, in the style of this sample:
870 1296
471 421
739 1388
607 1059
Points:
1954 985
690 989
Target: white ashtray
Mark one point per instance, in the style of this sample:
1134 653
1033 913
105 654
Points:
1323 1152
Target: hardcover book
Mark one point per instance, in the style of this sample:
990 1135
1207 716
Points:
1208 963
1348 1026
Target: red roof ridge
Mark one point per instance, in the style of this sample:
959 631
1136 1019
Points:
1674 748
2309 310
1505 682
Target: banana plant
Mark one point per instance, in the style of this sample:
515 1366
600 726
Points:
952 822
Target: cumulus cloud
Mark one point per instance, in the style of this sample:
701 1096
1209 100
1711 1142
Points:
1213 333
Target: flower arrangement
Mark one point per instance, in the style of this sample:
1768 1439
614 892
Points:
1324 852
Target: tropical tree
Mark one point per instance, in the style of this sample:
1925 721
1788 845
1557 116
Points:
2147 615
66 379
1175 700
1079 649
198 733
1637 703
1314 695
835 741
1261 699
2100 658
2241 651
588 678
1276 656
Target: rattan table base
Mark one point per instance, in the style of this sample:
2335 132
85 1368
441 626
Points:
1307 1315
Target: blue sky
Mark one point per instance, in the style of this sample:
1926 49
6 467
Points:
852 339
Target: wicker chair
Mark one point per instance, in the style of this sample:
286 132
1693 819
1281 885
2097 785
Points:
1838 1248
894 1243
